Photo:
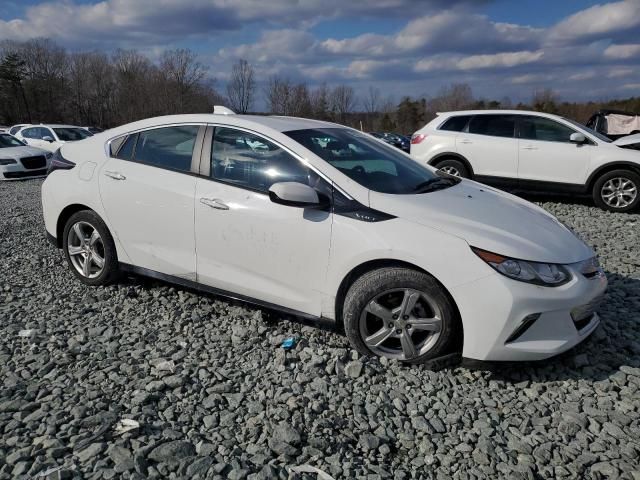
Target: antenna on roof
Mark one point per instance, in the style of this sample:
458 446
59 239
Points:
220 110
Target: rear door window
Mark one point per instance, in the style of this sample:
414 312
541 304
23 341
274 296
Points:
493 125
168 147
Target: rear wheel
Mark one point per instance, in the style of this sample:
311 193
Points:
617 191
89 248
453 167
401 314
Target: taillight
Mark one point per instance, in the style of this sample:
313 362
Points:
417 138
58 162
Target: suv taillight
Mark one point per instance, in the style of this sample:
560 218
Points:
417 138
58 162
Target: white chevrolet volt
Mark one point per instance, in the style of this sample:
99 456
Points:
323 221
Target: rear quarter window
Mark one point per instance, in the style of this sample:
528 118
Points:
455 124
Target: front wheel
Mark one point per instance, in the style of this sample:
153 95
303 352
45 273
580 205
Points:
617 191
89 248
401 314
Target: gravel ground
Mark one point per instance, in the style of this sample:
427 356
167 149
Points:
206 392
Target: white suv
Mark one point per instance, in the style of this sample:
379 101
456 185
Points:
321 220
531 151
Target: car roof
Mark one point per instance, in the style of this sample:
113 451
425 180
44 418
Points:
278 123
498 112
53 125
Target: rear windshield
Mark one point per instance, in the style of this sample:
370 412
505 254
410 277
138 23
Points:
371 163
7 141
72 134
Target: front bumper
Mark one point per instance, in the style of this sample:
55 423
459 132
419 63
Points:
18 172
494 308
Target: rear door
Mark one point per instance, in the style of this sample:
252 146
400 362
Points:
490 146
547 155
147 189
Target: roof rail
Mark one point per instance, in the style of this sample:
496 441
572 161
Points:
220 110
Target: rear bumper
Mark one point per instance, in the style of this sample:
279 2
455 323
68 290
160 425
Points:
494 308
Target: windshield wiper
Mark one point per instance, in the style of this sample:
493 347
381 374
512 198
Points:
433 184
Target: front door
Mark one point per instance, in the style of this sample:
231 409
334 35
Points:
547 155
249 245
147 193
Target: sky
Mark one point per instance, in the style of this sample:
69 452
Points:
581 49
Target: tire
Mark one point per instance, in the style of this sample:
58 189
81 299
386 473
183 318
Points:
87 221
454 167
624 182
385 287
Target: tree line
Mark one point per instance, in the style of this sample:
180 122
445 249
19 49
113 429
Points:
42 82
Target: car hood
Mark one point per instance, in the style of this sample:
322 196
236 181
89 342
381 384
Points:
19 152
489 219
628 140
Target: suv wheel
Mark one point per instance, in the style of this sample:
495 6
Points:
453 167
617 191
89 248
401 314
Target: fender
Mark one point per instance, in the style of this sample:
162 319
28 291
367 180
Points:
454 155
635 167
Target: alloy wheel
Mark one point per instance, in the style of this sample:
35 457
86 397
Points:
401 323
448 169
86 249
619 192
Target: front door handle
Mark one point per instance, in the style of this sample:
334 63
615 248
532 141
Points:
115 175
214 203
529 147
466 141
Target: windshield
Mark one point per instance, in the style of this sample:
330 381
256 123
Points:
598 135
371 163
7 141
72 134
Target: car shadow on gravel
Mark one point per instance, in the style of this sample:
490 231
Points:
614 344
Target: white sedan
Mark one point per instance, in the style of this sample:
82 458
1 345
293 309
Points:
20 161
411 262
51 137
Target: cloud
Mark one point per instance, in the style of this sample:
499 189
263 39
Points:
600 21
623 51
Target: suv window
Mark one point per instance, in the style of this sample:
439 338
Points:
249 161
545 129
494 125
455 124
169 147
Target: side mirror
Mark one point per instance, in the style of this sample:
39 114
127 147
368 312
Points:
295 194
577 138
47 138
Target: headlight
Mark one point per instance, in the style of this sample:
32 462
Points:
7 161
546 274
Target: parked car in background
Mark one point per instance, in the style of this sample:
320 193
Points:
18 160
94 130
52 137
531 151
398 141
320 220
16 128
4 129
614 123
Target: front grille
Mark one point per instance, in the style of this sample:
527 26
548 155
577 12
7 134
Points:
30 173
34 162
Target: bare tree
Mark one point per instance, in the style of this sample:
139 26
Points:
181 71
371 102
277 93
343 101
241 88
545 100
456 96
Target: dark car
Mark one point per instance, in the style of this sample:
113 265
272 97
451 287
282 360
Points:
615 123
398 141
94 130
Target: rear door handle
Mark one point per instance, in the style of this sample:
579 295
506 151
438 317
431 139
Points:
115 175
466 141
214 203
529 147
